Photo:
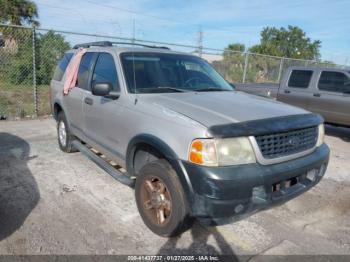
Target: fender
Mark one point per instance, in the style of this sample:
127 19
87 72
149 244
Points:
168 153
58 102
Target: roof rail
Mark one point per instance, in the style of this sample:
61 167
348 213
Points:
108 44
143 45
87 45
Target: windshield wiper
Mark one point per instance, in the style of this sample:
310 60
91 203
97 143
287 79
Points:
171 88
160 89
209 89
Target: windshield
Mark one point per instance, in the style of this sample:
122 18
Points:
158 72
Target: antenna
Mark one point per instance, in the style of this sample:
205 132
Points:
133 31
200 42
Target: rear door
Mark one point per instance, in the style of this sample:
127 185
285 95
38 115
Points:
332 98
102 115
73 102
297 91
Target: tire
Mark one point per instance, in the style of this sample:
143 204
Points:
161 200
64 136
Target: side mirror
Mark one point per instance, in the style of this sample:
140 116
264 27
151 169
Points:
101 89
105 90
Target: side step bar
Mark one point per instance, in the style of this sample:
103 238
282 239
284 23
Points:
115 173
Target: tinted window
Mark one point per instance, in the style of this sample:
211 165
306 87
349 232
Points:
300 78
61 66
105 71
333 81
84 69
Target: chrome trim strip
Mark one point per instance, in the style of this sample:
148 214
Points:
260 158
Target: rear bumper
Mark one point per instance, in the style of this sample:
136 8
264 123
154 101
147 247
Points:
225 194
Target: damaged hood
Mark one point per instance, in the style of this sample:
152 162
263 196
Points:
223 107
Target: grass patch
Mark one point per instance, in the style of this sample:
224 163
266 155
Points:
18 100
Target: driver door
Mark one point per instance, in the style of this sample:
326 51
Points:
102 115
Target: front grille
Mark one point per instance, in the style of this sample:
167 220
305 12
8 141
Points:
287 143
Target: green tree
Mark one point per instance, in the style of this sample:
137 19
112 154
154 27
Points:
18 12
49 48
232 65
232 48
290 42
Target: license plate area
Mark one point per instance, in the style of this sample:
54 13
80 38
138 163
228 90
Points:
286 184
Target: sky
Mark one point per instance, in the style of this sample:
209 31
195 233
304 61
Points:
222 22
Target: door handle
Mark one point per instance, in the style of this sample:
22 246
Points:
88 101
287 91
317 95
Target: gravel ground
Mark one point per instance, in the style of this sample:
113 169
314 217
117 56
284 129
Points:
57 203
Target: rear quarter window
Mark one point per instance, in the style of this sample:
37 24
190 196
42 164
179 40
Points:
300 78
61 66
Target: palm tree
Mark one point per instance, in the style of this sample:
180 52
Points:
18 12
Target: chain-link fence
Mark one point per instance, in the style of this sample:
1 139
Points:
245 67
16 72
28 57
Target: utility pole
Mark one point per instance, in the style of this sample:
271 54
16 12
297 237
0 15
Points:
35 89
200 42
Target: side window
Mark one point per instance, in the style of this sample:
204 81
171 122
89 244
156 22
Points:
105 71
61 66
300 78
84 69
333 81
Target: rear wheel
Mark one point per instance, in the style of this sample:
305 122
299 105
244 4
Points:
160 199
65 138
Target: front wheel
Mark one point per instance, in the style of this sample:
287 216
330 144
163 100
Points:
161 200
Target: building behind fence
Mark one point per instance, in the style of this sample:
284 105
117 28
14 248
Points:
28 57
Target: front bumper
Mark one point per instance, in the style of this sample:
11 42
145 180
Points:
225 194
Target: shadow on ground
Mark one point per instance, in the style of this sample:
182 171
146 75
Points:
19 193
199 245
341 132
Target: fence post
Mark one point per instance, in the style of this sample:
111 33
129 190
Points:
35 93
245 67
280 70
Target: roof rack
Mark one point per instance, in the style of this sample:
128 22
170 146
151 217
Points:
143 45
108 44
87 45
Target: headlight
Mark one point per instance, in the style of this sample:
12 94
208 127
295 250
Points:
222 152
320 139
234 151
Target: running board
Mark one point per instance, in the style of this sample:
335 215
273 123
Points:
112 171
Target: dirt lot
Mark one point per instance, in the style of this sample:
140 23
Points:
57 203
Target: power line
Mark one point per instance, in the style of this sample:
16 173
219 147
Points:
137 13
69 9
